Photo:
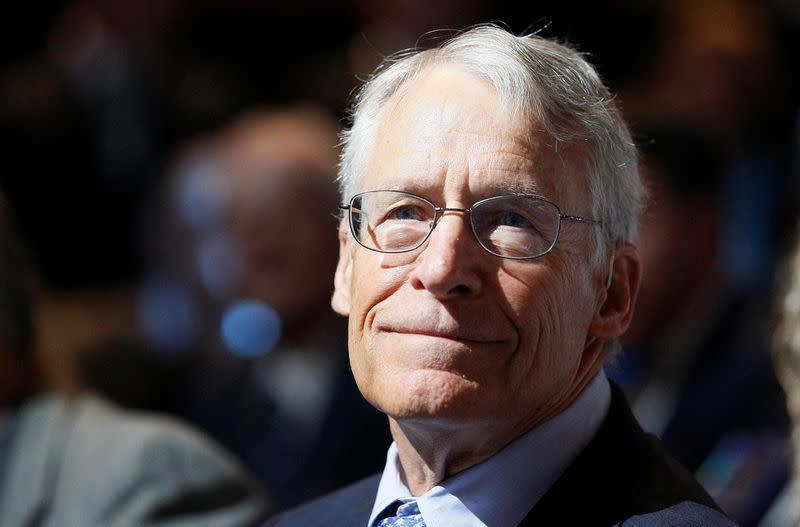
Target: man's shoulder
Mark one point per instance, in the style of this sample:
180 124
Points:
350 505
684 514
622 476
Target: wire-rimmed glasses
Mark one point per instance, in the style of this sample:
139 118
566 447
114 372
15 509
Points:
513 226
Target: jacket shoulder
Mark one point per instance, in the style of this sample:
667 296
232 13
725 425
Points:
684 514
350 505
622 474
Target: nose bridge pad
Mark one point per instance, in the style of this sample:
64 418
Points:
444 210
441 212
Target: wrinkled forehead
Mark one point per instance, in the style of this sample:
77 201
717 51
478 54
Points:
446 119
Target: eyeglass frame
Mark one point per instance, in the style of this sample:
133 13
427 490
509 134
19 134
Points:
439 212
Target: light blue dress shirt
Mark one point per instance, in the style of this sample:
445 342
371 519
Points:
500 491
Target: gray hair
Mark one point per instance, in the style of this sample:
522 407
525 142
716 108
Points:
548 83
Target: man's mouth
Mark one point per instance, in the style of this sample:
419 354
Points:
468 337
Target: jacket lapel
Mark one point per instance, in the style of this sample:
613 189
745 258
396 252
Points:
623 472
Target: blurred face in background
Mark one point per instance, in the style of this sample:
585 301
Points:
678 243
714 69
279 168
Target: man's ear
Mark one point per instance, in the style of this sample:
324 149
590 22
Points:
344 269
614 315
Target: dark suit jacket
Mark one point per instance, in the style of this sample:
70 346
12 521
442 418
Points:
623 477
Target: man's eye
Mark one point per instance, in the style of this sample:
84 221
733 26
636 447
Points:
511 218
405 212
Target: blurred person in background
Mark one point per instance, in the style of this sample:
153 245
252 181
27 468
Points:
785 511
713 66
699 374
236 313
78 121
696 365
716 67
80 460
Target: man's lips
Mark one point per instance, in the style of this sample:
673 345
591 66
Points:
459 335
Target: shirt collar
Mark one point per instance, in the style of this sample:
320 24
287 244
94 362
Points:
520 473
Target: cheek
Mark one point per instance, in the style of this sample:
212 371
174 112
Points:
371 284
359 361
546 363
374 278
552 314
533 306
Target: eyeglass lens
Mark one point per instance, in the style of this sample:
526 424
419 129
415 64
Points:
507 226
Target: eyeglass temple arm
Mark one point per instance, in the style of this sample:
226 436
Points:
580 219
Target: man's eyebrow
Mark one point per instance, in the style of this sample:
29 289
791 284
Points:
526 188
522 188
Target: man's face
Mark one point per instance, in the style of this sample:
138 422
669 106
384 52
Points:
448 331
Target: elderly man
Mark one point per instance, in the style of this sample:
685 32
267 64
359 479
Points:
486 267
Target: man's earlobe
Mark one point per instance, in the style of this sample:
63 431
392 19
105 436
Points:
344 269
622 287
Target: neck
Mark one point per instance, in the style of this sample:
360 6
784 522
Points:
430 451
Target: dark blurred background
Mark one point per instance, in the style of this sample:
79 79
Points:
95 94
100 101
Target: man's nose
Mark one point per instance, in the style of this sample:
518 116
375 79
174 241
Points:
448 266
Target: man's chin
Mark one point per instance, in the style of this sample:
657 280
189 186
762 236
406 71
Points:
429 395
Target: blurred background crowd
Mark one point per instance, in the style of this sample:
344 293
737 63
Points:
171 167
